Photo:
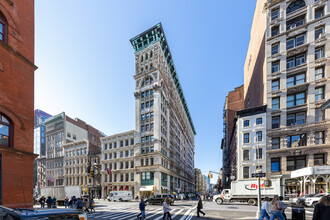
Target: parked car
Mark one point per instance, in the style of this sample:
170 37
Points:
42 214
311 201
120 196
301 199
159 199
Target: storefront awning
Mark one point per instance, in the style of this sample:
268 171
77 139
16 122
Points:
307 171
146 188
126 188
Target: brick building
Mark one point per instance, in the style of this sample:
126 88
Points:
16 102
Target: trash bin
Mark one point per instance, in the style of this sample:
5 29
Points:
298 213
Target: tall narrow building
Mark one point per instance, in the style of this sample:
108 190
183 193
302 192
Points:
298 71
165 130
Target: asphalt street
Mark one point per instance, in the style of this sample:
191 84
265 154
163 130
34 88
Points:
181 210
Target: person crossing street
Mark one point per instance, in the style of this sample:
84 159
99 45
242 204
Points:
200 206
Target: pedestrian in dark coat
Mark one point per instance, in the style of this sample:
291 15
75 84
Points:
49 202
322 209
42 201
200 206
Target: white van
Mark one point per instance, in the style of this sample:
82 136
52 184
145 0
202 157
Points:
120 196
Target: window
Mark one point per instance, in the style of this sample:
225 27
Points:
319 137
259 121
5 130
246 155
275 13
275 85
275 48
246 172
126 142
275 31
295 61
295 42
126 153
295 163
246 123
74 137
319 13
68 135
319 52
141 58
275 143
142 105
319 73
151 54
259 136
246 138
319 93
275 122
295 80
121 154
275 67
296 140
318 32
295 6
319 159
276 103
296 22
259 153
275 164
296 99
296 119
132 141
319 115
105 146
3 28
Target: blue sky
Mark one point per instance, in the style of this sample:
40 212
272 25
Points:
86 62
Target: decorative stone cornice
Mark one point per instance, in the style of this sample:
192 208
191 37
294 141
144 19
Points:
271 3
297 88
319 3
297 50
321 61
137 94
320 82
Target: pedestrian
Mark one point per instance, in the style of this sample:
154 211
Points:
276 209
42 201
284 207
92 205
142 207
80 204
74 202
49 202
66 202
200 206
166 209
322 209
86 205
265 209
54 202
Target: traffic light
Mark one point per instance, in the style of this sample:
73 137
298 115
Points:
91 174
211 175
208 176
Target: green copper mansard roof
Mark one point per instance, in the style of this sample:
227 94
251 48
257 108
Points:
150 36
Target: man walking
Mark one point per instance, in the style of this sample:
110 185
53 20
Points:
199 206
42 201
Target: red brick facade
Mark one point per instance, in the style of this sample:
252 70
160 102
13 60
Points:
17 102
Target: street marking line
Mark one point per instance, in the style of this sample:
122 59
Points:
185 215
191 215
177 213
161 216
126 216
148 216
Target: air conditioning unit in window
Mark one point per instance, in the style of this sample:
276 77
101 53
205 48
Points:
322 35
292 26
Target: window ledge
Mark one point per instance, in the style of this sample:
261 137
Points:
297 50
276 93
297 88
322 38
297 106
320 62
320 82
275 21
296 69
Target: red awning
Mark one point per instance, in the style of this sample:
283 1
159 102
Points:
121 188
115 188
126 188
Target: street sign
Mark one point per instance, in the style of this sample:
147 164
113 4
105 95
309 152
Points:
258 174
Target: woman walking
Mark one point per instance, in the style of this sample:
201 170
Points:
166 209
276 209
265 209
322 209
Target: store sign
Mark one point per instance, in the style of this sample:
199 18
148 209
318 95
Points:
307 171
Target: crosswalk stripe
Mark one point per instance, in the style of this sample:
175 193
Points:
184 216
112 215
163 215
177 213
191 215
124 216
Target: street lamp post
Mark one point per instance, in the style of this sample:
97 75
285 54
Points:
93 168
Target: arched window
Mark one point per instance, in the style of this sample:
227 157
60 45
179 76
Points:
141 58
5 131
151 54
146 56
295 6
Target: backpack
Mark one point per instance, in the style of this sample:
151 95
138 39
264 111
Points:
93 204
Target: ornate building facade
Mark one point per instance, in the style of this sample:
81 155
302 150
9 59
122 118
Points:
298 71
163 121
